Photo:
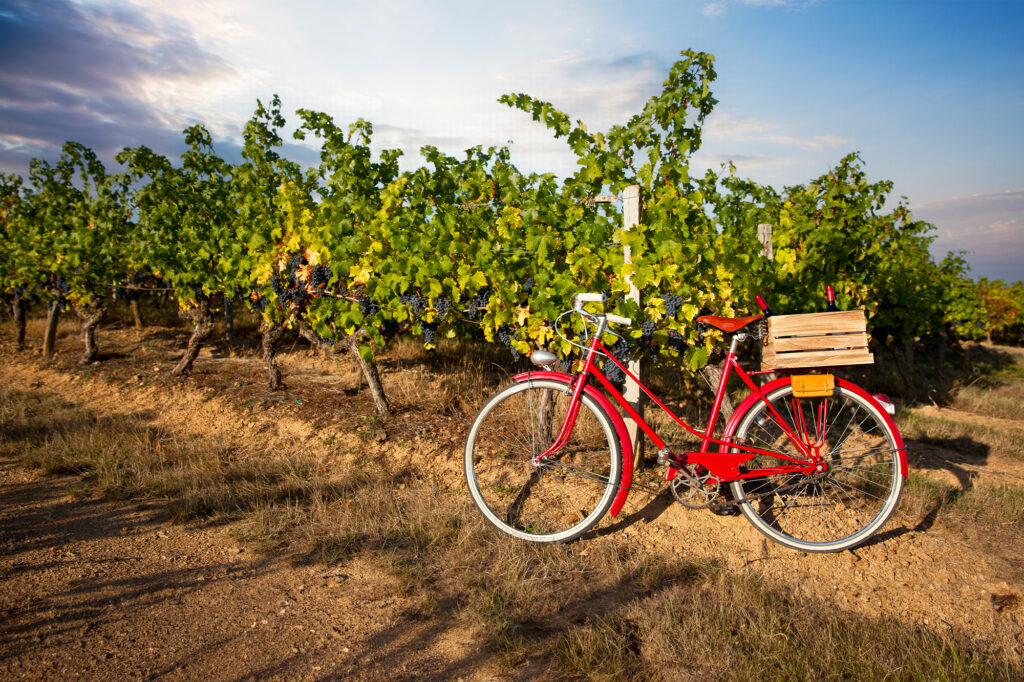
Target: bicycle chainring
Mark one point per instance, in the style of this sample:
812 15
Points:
694 488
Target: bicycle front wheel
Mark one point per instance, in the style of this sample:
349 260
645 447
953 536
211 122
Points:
554 500
826 511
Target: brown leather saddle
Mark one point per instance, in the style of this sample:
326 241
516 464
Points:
728 324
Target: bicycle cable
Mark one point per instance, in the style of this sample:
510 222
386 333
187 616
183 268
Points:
587 317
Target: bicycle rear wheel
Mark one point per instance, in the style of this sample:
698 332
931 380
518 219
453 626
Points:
560 498
827 511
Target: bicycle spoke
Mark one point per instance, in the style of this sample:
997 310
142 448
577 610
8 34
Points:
821 510
552 500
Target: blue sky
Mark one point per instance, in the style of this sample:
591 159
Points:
930 92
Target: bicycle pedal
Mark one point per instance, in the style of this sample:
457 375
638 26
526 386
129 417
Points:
724 509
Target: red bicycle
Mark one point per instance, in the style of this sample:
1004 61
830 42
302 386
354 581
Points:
817 469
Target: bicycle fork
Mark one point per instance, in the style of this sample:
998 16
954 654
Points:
573 411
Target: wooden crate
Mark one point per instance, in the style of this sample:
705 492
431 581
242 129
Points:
816 340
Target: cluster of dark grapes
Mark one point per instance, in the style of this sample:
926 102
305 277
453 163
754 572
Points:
528 285
442 305
296 290
429 330
477 302
140 277
292 289
277 284
505 336
623 352
647 329
672 303
259 301
367 307
319 276
296 262
415 302
676 340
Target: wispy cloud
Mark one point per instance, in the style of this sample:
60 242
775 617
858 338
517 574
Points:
606 89
746 161
747 130
974 206
995 248
717 7
714 9
88 73
989 227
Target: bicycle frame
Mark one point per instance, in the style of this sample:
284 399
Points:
723 464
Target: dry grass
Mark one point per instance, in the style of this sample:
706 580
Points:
457 376
124 458
601 609
976 440
712 625
988 505
999 395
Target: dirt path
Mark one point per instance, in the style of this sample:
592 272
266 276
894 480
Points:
97 589
100 590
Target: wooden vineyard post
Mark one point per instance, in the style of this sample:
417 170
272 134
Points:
630 219
764 235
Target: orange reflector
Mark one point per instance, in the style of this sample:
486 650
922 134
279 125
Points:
813 385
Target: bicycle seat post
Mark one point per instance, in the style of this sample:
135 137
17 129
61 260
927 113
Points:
736 338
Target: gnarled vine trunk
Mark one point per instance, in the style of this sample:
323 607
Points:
50 335
133 304
91 317
271 333
306 332
203 321
900 359
19 306
940 355
713 375
229 318
371 375
133 296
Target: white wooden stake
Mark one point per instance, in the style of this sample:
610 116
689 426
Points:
764 235
630 219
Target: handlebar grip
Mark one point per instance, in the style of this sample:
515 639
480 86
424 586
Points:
589 298
620 320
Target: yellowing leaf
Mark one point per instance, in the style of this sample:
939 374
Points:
361 274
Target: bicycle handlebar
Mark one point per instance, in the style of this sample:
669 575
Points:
588 298
580 299
619 320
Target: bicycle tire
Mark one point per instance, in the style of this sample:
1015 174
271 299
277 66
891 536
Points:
559 500
853 498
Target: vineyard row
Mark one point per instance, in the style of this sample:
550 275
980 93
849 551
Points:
353 250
